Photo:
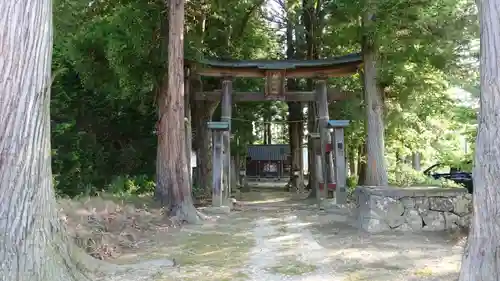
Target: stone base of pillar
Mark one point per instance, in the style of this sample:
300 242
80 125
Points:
217 200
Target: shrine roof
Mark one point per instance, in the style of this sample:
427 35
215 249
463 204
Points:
343 65
283 64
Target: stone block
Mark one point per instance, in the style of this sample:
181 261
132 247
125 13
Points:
464 221
404 228
408 202
413 219
386 206
451 220
374 225
462 205
434 221
443 204
422 204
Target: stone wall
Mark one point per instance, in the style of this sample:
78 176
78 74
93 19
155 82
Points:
412 209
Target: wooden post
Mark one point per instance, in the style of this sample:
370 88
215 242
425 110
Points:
330 173
217 168
301 162
316 177
226 136
218 129
340 173
322 100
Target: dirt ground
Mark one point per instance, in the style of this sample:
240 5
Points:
278 237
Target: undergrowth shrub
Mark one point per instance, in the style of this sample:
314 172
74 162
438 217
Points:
406 176
131 185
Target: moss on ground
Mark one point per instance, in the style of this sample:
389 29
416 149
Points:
292 267
207 254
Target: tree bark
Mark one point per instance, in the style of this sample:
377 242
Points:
172 182
362 163
481 260
352 162
295 118
269 133
33 243
376 172
187 123
310 26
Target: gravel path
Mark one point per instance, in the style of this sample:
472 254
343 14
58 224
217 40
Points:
300 244
275 254
291 240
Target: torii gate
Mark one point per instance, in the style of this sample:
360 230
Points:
275 72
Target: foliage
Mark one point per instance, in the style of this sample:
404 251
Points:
406 176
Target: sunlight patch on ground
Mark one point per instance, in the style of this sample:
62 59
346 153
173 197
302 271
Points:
274 200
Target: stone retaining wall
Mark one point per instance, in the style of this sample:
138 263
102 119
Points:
412 209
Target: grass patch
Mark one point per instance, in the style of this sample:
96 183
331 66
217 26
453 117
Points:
215 250
207 254
292 268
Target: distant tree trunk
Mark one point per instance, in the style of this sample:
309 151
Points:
415 161
376 172
362 163
201 114
295 138
352 162
188 127
481 260
269 133
265 132
172 182
267 126
33 242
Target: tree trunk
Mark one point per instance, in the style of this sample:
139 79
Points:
481 260
295 118
269 133
201 115
352 162
33 243
267 127
415 161
295 139
311 24
172 182
265 132
376 172
187 125
362 163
